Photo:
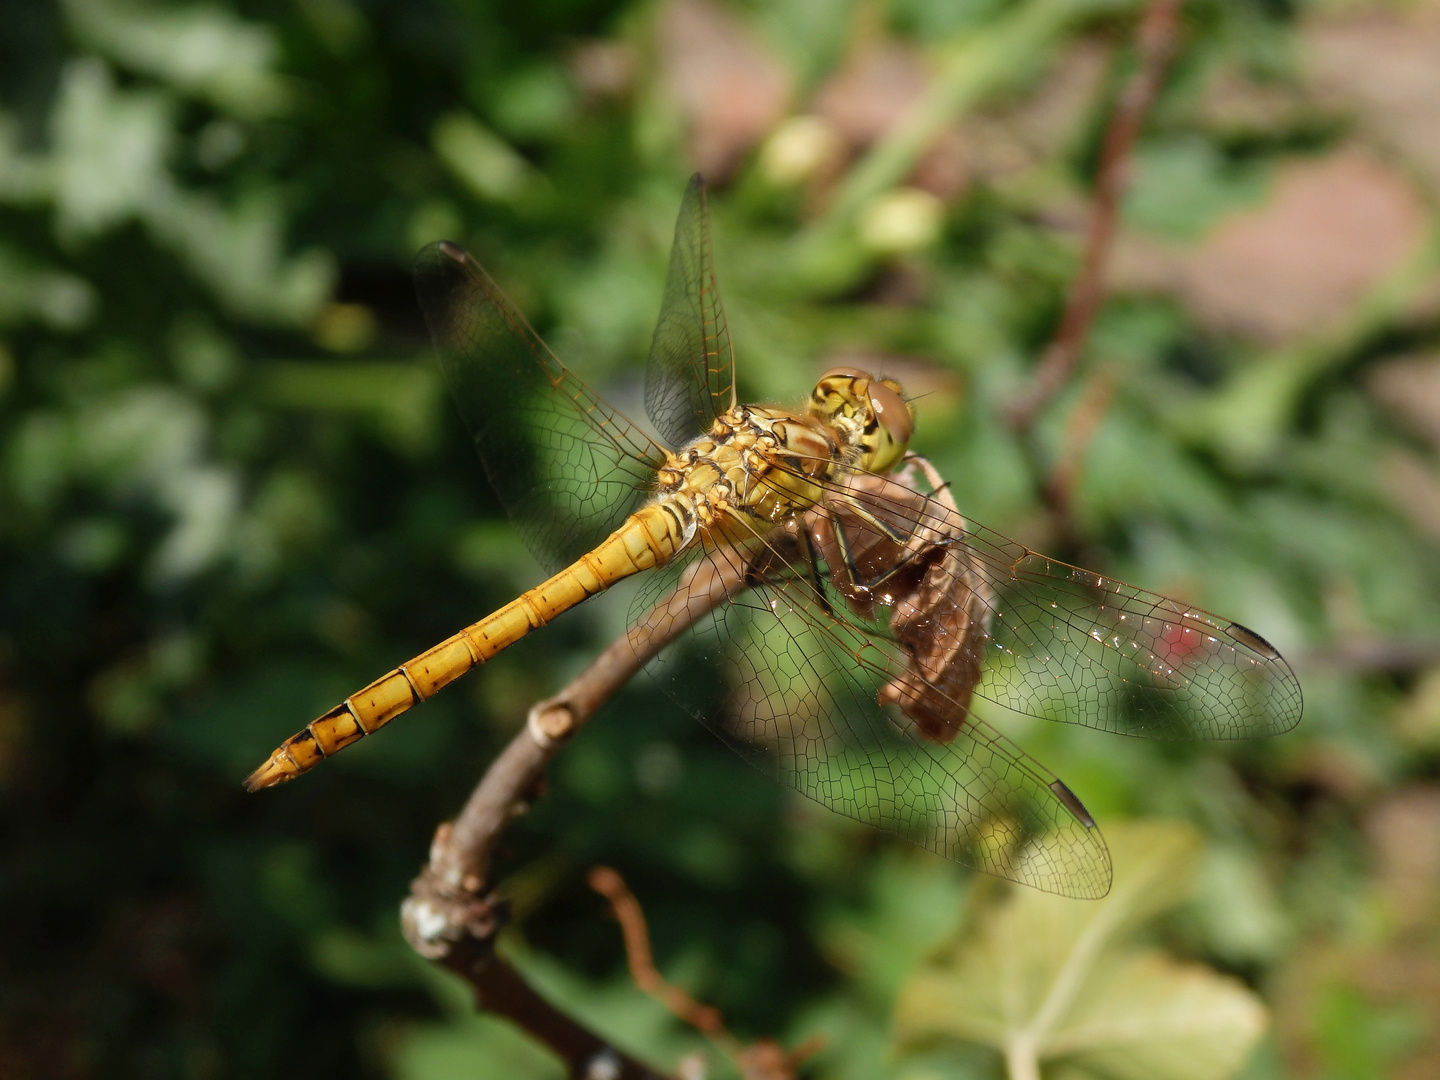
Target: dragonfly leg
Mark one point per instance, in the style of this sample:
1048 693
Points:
846 563
939 486
854 579
856 507
812 559
911 545
781 556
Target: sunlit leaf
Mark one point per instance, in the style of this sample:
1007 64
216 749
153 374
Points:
110 148
480 158
1046 980
203 49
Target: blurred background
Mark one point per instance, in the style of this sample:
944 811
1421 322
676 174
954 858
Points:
233 490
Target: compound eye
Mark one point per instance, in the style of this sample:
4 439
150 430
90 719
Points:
892 412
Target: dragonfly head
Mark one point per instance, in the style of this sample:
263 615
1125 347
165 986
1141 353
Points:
869 412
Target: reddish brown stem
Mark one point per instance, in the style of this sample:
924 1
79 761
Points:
705 1019
764 1059
1155 40
1080 427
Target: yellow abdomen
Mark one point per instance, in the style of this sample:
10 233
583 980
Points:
648 538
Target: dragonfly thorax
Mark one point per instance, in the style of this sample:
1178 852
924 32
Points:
759 464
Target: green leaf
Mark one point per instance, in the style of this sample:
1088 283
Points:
110 149
29 291
201 49
484 161
238 251
1054 982
403 397
1183 186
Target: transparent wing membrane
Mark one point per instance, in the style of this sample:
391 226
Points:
1042 637
690 378
850 662
801 700
566 464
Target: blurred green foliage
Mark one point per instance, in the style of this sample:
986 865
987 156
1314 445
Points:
232 491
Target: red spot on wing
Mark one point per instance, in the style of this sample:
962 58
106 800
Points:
1181 641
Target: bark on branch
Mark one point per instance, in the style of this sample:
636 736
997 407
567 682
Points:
452 916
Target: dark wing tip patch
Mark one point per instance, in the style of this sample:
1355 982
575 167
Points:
1072 803
451 250
1252 641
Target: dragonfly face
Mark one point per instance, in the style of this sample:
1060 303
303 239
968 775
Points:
859 619
876 419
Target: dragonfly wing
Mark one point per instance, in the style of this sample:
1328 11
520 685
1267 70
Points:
566 464
690 377
974 611
1073 645
800 699
860 632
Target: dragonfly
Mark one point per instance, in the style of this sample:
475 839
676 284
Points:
860 616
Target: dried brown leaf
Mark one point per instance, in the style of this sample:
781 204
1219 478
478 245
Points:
1384 64
1404 834
1409 386
729 87
1333 229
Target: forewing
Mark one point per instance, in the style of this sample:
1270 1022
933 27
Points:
690 378
1072 645
1050 639
566 464
799 698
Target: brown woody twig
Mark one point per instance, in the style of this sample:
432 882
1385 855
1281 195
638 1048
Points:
1080 427
452 917
1155 40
